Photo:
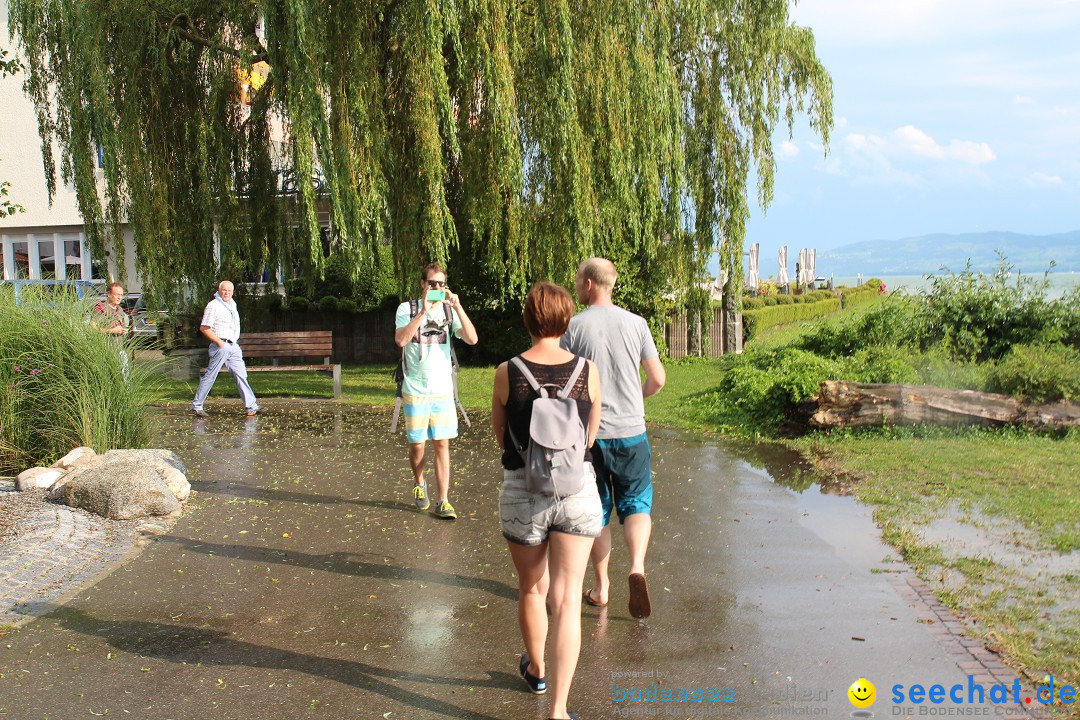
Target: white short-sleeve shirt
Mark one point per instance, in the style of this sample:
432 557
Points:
222 319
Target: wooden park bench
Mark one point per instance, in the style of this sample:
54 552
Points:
277 345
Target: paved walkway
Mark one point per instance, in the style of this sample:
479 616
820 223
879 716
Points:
301 583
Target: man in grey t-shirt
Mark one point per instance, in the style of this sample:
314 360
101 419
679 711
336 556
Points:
620 344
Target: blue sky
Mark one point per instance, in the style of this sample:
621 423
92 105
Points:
951 116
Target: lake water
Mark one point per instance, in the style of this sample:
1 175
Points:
1059 283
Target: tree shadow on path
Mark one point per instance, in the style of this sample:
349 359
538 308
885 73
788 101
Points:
182 644
344 563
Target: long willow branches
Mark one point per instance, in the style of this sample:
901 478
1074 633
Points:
507 138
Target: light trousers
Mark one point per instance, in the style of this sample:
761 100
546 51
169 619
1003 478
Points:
231 357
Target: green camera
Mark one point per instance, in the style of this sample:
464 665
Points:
436 295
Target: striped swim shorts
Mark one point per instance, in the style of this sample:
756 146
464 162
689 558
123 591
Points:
429 418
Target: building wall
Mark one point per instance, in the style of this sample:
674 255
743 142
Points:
28 237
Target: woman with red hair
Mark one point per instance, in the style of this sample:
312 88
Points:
549 537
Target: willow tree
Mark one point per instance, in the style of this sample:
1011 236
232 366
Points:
507 138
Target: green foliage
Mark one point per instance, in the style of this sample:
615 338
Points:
766 385
864 294
1039 372
62 384
891 324
977 317
356 288
880 364
507 141
754 321
299 303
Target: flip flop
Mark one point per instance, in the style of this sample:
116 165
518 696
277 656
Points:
587 596
640 604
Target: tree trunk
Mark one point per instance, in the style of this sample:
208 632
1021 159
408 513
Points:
849 404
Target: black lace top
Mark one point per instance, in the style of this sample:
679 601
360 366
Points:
519 403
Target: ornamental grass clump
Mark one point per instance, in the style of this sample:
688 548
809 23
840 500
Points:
63 384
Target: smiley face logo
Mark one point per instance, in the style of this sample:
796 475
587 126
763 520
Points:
862 693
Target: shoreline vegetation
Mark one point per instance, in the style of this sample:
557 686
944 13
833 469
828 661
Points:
990 517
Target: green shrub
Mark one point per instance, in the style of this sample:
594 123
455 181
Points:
936 368
329 303
299 303
63 384
892 324
297 287
752 303
755 321
975 316
766 385
769 300
1039 372
864 294
348 305
880 364
784 300
273 302
798 299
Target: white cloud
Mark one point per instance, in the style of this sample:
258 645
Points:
788 149
969 152
1041 179
912 140
1023 100
915 140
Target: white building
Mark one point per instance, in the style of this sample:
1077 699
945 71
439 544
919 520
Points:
45 242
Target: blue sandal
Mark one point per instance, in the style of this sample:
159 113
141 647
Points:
537 686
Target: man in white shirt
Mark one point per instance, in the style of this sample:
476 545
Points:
221 325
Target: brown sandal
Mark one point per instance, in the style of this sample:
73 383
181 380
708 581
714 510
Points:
587 596
640 603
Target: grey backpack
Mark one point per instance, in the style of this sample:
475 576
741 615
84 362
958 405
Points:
555 456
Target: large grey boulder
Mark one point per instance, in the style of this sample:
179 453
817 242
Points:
120 490
165 462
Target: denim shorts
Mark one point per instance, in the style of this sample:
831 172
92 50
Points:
527 517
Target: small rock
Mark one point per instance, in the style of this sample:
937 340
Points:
37 477
78 456
176 481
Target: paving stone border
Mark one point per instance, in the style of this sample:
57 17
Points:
970 655
58 552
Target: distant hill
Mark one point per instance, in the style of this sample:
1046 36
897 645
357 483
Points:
929 253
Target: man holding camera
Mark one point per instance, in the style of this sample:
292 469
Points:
424 331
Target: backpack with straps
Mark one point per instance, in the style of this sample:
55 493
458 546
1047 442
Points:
555 456
399 371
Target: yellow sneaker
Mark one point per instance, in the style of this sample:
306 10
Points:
419 493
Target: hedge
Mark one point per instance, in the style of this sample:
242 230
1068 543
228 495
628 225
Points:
861 295
754 321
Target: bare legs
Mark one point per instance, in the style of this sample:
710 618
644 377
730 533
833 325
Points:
555 571
637 529
442 465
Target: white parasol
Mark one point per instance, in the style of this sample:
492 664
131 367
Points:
752 277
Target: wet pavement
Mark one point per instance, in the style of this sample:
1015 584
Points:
302 583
